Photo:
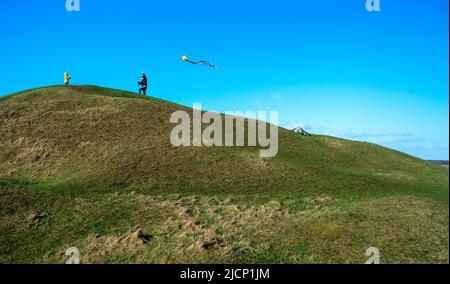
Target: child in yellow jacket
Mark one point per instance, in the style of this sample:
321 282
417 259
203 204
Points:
66 78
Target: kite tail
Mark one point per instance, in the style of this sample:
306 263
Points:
201 62
207 63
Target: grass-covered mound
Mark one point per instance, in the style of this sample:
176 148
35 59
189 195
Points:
87 166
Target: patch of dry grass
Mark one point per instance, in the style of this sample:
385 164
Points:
212 229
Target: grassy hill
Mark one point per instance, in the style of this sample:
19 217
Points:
89 167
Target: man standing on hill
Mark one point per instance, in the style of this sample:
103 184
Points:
143 84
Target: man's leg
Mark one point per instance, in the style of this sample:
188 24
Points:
145 91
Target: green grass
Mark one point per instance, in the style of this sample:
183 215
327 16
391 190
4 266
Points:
98 162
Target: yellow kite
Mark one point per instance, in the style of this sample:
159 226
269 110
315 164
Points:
201 62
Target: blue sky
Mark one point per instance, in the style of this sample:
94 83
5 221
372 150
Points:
327 65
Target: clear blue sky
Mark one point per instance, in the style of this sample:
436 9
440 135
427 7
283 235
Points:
328 65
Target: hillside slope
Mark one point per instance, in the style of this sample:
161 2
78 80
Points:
100 138
93 143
